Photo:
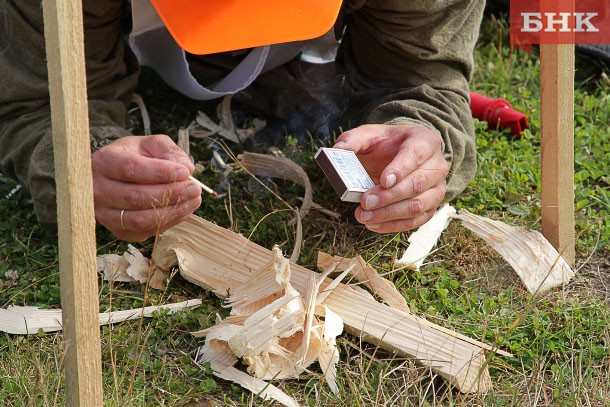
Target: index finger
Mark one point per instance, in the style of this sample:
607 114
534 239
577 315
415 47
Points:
144 160
416 148
138 169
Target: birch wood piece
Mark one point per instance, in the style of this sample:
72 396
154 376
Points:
63 21
221 261
29 320
422 241
534 259
557 146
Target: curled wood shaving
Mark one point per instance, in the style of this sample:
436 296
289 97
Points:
286 169
131 266
532 257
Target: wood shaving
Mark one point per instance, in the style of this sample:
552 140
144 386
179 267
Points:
533 258
425 238
29 320
368 276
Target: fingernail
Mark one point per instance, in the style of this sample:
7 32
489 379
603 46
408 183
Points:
373 226
340 144
390 181
366 215
371 201
181 174
192 191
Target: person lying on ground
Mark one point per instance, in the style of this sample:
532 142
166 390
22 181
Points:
406 66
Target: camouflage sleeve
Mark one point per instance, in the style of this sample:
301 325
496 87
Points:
410 62
26 145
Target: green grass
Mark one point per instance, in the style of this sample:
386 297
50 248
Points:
560 341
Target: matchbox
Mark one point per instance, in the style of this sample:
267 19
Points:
345 173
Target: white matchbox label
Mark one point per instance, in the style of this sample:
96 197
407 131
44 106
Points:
345 173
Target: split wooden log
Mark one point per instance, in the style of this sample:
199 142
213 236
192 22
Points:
274 331
221 261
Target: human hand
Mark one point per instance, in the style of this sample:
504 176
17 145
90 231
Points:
409 171
141 186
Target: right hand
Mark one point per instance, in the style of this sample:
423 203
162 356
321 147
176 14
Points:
141 186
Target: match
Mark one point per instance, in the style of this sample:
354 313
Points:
204 186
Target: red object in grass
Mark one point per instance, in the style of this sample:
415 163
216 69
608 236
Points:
498 114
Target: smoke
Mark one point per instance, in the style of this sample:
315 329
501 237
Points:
302 100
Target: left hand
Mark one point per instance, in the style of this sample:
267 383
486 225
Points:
409 171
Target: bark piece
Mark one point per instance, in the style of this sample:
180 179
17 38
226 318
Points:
28 320
532 257
222 261
425 238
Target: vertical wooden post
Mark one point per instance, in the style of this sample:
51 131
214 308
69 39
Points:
557 146
63 20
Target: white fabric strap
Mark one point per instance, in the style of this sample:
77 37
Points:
154 46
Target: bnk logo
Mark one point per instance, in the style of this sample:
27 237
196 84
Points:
559 22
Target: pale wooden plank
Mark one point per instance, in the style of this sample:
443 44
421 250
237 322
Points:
557 146
76 223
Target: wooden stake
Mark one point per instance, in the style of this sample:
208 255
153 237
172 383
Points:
557 146
63 20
